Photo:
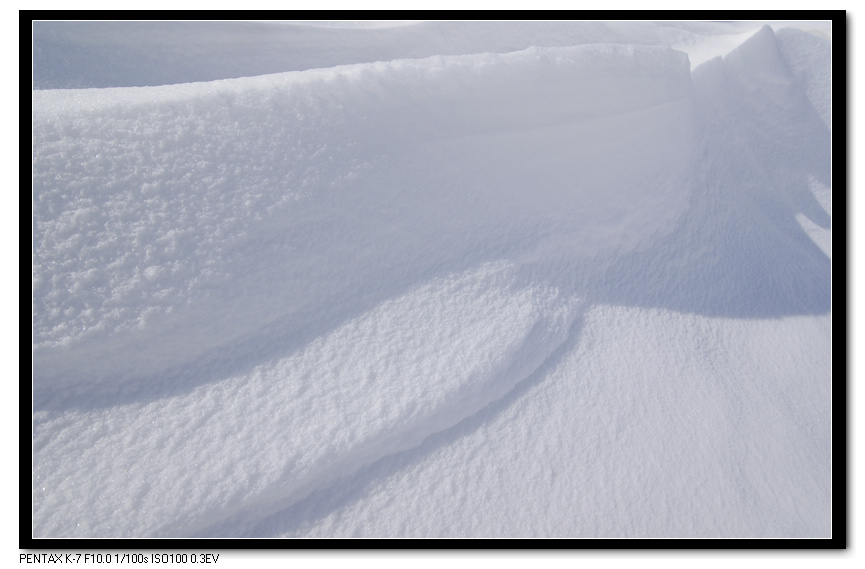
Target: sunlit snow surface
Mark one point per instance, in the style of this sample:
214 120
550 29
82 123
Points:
431 280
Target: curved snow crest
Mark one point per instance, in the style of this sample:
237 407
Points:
121 54
763 158
380 384
607 59
173 221
439 221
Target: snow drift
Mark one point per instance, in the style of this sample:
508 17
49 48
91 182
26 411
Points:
248 289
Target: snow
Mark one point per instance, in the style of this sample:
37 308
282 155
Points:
435 279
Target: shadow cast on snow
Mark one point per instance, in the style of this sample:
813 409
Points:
350 489
738 250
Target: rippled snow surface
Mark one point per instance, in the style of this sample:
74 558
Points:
431 279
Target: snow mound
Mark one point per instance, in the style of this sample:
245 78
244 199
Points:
252 290
184 219
377 385
82 55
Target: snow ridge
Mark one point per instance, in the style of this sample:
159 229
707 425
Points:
249 289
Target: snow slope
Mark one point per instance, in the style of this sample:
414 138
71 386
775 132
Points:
433 280
127 54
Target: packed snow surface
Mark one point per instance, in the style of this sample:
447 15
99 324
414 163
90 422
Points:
445 279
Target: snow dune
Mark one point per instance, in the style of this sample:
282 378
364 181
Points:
130 54
371 287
